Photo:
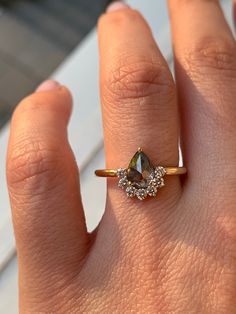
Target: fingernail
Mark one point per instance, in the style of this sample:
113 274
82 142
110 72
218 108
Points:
48 86
117 5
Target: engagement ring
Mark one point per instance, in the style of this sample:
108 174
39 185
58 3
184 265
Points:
141 179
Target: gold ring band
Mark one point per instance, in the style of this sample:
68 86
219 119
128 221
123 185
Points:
111 173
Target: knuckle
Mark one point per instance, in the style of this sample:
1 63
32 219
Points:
33 164
212 54
137 80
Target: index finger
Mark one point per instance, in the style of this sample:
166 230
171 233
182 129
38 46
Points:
44 192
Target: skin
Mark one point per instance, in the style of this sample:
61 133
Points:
174 254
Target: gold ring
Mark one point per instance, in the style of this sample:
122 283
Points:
141 178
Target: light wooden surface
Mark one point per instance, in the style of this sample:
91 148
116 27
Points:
80 73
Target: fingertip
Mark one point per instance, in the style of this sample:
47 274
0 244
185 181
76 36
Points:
48 85
116 10
116 6
66 94
53 86
57 100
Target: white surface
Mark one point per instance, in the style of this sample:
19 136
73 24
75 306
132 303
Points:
9 289
80 74
6 232
94 204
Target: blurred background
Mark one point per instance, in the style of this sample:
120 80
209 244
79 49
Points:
35 37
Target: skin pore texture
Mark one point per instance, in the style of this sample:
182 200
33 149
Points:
174 254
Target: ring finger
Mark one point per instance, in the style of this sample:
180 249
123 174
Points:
138 96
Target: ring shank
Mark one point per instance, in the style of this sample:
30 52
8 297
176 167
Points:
106 173
170 171
173 171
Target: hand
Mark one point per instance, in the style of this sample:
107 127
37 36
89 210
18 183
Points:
172 254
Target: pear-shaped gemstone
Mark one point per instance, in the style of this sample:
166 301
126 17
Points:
140 170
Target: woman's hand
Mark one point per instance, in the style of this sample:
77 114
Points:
172 254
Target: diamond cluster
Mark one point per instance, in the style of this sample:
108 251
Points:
154 182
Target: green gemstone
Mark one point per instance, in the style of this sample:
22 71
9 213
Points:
140 170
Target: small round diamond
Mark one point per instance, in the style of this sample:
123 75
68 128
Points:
121 172
141 194
123 183
130 190
154 182
157 182
160 171
152 191
161 183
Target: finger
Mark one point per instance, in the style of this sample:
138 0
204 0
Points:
206 77
44 191
138 95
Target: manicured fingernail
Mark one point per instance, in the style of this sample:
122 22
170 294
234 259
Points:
47 86
117 5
